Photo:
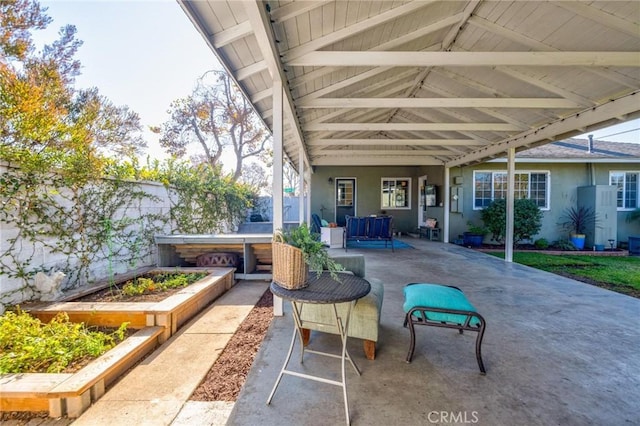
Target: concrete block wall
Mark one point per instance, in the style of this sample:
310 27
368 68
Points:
17 290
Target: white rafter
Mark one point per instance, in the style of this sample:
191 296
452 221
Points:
349 31
416 142
260 23
469 59
291 10
425 127
518 75
537 45
232 34
249 70
382 152
564 127
601 17
437 103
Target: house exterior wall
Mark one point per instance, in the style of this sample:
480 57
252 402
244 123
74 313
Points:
368 192
564 179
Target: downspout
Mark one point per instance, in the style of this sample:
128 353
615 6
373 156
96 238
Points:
592 171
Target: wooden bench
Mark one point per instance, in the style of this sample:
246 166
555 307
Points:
72 393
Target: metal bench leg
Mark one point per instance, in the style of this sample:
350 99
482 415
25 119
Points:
412 332
479 349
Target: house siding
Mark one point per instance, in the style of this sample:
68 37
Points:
368 183
564 179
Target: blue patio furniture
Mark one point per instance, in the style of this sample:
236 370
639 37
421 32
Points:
368 228
316 223
441 306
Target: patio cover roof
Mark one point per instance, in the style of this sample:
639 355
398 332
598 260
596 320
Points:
428 82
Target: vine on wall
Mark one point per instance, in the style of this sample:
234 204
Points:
88 221
203 201
99 220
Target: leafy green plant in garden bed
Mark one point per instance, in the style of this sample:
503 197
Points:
29 346
159 282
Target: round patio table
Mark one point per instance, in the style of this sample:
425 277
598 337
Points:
323 290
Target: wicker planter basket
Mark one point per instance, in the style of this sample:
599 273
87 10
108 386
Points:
289 268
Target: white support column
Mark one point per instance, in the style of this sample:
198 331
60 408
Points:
447 201
278 160
508 243
308 203
301 172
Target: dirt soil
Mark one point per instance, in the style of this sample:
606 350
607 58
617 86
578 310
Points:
228 374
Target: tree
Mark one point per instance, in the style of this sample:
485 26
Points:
290 178
255 176
217 119
47 123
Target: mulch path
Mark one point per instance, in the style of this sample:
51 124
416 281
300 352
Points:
228 374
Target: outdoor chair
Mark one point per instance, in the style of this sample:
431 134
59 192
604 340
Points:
365 317
316 223
441 306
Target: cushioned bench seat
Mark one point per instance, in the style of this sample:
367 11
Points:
441 306
365 317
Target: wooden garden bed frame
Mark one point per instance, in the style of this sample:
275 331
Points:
71 394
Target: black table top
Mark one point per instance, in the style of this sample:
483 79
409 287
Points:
325 289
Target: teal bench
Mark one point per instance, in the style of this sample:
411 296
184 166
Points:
441 306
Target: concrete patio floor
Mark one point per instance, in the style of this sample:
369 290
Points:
557 352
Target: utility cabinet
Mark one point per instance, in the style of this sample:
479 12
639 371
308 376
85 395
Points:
602 199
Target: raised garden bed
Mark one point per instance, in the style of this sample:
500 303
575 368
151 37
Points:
171 312
71 393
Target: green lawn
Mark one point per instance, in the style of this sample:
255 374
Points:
616 273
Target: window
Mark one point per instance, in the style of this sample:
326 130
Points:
627 184
489 186
396 193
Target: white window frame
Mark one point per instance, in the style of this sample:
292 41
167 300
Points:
517 172
397 181
624 184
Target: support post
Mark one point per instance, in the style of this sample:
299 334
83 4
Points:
447 201
278 162
508 243
301 172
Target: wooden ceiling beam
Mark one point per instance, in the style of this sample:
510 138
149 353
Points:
426 127
467 59
436 103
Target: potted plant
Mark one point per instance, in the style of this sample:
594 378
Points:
297 251
474 235
576 220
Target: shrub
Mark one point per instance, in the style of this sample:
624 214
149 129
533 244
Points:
564 244
527 219
541 243
29 346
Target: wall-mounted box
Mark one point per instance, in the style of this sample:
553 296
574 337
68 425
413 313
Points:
455 199
458 180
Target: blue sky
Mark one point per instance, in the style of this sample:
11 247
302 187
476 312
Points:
146 54
143 54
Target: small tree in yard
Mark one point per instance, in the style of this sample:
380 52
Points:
527 219
215 119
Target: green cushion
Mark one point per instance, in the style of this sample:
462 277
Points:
438 296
